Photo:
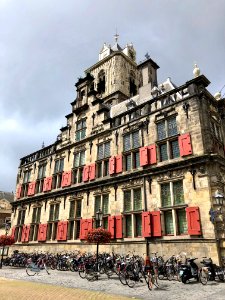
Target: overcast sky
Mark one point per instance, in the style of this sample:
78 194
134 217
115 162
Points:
46 45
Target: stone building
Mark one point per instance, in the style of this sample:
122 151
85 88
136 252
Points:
149 154
5 210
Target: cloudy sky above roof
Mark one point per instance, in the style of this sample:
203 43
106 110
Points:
46 45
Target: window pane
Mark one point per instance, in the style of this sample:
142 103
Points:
70 230
175 151
34 215
76 159
106 168
128 162
172 126
51 212
161 130
78 210
128 226
72 209
43 171
61 167
127 201
165 194
136 157
107 149
83 123
79 125
82 158
126 142
105 223
105 204
100 152
97 203
99 169
135 139
168 222
56 211
137 199
83 133
163 152
182 221
56 166
38 215
178 192
138 225
78 136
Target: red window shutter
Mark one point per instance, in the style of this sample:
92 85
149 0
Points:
18 192
63 235
152 154
66 178
42 232
143 156
85 173
31 188
111 226
49 183
146 224
119 163
59 231
92 171
83 228
23 233
156 223
45 185
27 233
185 144
89 224
193 220
112 165
119 226
13 232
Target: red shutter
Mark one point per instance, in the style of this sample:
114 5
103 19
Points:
143 156
193 220
42 232
85 173
185 144
49 183
18 192
89 224
146 224
156 223
152 154
31 188
66 179
111 226
45 184
23 233
119 163
62 231
13 232
27 233
112 165
119 227
92 172
83 228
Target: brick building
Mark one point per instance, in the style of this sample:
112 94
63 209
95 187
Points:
149 154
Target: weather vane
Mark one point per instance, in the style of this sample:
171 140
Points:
116 36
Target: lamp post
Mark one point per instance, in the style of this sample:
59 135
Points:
98 218
7 228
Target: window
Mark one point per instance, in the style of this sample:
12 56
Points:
167 139
133 87
20 223
131 152
26 180
79 162
40 178
101 82
57 176
53 221
103 154
216 129
81 130
36 216
74 219
173 206
26 177
132 207
102 202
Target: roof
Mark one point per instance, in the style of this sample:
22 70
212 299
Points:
116 47
6 195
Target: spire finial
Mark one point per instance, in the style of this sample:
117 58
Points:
116 36
43 145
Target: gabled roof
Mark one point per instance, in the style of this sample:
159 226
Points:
6 195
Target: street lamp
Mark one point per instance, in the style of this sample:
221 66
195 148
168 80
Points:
98 218
219 202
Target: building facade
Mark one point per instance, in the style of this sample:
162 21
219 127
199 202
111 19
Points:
149 155
6 199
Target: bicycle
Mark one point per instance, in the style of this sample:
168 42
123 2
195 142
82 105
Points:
33 268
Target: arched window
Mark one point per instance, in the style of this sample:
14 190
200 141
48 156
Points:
133 87
101 82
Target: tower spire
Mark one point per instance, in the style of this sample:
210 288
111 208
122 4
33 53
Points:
116 36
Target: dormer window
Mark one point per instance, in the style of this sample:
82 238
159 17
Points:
101 82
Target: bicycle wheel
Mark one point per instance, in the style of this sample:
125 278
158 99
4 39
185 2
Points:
203 277
91 275
30 270
130 278
122 277
46 269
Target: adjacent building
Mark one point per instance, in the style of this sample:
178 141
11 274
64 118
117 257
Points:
6 199
150 155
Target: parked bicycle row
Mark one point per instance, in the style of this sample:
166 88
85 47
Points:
130 268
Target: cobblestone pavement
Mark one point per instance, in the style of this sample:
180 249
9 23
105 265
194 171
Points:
60 284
